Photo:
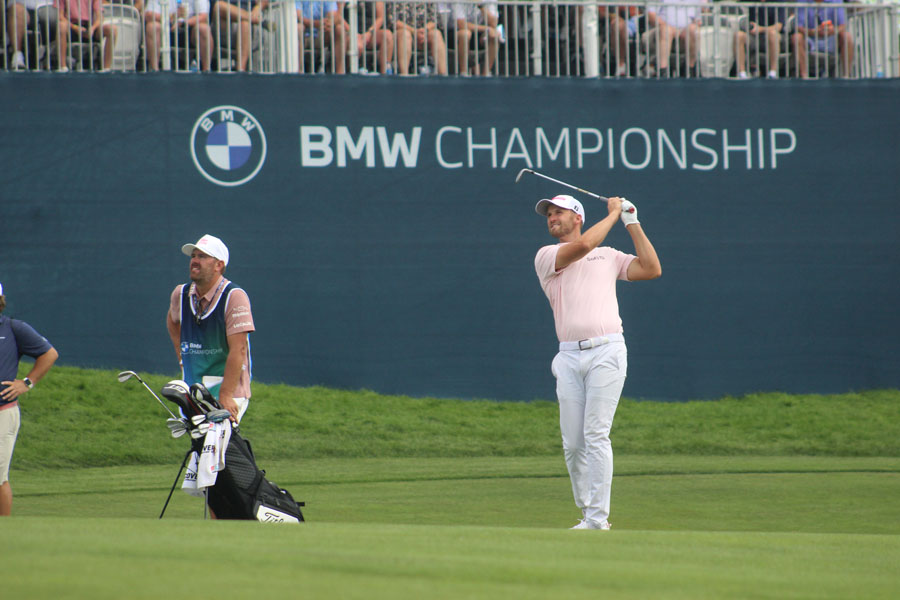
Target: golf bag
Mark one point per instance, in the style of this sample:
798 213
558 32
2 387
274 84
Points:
241 490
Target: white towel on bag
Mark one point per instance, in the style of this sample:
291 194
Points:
203 470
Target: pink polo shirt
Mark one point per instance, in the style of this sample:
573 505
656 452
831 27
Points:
80 11
583 295
238 319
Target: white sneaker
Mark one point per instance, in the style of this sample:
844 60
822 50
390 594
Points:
773 75
63 69
586 524
19 61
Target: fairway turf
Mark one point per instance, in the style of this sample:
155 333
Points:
705 527
767 496
136 559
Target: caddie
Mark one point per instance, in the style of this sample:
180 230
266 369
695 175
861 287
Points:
579 278
209 322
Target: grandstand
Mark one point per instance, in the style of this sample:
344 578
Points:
497 38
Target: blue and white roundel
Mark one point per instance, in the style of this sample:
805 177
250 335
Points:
228 145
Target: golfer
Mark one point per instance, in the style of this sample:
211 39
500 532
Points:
209 322
17 338
579 279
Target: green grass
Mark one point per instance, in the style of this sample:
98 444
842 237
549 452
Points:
102 422
174 559
766 496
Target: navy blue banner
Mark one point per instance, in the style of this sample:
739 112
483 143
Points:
377 228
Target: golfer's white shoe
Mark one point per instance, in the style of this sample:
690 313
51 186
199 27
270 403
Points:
586 524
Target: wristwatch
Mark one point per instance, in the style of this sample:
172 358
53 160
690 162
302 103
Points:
29 383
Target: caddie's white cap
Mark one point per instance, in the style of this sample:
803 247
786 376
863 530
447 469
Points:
1 289
562 201
211 245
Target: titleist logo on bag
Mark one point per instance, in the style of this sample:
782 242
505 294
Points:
266 514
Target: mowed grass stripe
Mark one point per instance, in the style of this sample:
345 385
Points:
119 558
535 497
340 470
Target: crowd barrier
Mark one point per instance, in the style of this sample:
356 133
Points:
461 39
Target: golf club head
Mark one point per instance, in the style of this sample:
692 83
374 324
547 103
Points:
177 427
177 392
522 172
204 398
125 376
218 415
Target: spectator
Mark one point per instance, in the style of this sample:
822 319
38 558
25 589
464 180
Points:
85 18
417 21
766 26
239 14
321 18
373 33
21 13
823 29
478 24
188 26
615 28
677 23
17 338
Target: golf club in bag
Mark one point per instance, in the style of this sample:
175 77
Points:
241 490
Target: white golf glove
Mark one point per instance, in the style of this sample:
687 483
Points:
629 213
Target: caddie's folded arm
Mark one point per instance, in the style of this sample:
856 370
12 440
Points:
237 344
174 334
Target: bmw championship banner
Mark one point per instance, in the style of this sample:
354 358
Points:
377 225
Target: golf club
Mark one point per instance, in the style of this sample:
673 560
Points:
218 415
126 375
177 426
568 185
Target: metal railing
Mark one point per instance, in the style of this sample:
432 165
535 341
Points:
458 39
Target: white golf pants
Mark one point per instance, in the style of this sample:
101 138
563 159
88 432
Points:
588 385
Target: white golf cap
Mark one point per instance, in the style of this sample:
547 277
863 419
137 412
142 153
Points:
562 201
211 245
1 289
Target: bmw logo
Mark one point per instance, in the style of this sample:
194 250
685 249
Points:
228 145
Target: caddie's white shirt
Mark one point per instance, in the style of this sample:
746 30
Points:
583 295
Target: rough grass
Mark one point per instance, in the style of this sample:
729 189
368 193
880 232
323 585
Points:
86 418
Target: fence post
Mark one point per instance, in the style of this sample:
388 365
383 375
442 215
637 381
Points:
354 29
537 57
590 35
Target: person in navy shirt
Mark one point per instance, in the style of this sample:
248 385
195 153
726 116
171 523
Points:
17 339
